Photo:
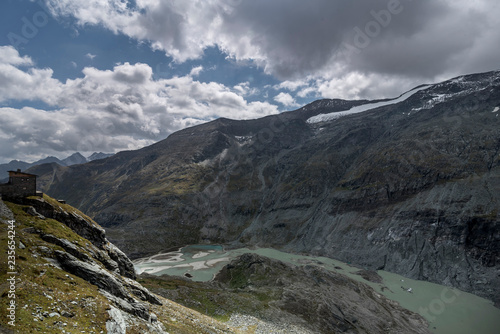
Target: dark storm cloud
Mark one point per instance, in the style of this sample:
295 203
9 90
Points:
301 37
293 39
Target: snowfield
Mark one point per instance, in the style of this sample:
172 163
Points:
359 109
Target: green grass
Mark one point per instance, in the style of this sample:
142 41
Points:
490 216
37 281
194 295
181 181
44 288
211 300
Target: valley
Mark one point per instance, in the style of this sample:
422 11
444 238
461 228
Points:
441 306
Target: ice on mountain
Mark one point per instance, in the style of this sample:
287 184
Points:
362 108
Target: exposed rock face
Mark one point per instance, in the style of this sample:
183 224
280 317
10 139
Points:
411 187
5 213
116 325
107 253
141 292
328 302
91 273
99 263
125 266
73 220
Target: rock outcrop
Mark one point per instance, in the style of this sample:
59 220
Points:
329 302
95 261
107 253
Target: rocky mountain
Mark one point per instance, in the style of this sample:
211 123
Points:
410 185
74 159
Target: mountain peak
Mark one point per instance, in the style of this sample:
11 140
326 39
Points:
74 159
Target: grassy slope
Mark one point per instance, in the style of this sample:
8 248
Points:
42 287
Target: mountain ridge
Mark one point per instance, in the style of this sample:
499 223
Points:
74 159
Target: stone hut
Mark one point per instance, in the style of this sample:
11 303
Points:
20 185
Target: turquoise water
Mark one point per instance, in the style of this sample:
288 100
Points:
199 262
448 310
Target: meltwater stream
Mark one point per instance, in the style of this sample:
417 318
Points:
448 310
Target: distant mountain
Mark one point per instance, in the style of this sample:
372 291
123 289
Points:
410 185
98 156
13 165
47 160
73 159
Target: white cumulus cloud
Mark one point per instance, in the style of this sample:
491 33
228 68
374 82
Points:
286 99
107 110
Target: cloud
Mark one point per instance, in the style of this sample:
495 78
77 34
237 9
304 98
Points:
19 84
286 99
317 48
107 110
10 56
317 40
244 89
195 71
90 56
291 85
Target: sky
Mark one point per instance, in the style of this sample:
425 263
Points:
113 75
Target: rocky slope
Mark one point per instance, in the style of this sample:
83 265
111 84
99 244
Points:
409 185
290 299
68 278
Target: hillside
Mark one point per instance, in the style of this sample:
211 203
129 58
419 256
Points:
70 279
409 185
64 276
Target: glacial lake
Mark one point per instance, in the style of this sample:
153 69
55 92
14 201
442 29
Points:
448 310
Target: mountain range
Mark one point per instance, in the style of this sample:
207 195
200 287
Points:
74 159
410 185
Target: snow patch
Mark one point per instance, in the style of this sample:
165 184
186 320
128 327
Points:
362 108
466 87
496 109
457 80
438 98
242 140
